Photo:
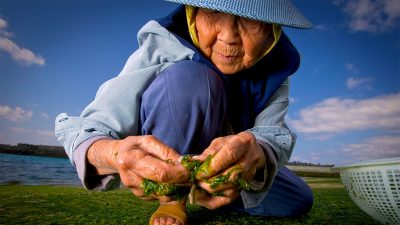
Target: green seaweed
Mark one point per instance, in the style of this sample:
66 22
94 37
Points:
243 184
225 179
163 189
218 194
217 180
194 167
205 166
191 165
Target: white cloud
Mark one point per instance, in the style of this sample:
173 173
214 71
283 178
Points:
19 54
320 27
45 115
352 68
3 24
374 148
354 82
374 16
22 55
15 115
357 82
336 115
19 130
45 133
42 134
293 100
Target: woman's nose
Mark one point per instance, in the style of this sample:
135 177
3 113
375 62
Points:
228 29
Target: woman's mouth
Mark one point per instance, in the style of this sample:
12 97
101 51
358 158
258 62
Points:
226 58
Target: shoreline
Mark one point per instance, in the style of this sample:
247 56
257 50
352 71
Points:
43 185
34 150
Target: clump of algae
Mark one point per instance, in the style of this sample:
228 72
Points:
194 167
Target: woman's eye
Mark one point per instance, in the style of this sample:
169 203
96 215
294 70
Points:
249 23
210 11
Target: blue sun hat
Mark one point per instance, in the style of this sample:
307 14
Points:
282 12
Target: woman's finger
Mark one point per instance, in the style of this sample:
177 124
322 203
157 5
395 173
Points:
253 160
233 149
151 167
215 146
155 147
139 193
227 180
213 202
131 180
164 198
220 187
160 171
249 168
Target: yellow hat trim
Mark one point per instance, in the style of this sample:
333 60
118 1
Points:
191 21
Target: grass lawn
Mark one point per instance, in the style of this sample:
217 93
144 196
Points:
73 205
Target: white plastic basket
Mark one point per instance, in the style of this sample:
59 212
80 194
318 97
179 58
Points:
375 187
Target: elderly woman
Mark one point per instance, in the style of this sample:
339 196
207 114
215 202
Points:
209 80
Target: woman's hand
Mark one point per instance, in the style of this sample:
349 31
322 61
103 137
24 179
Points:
136 158
235 158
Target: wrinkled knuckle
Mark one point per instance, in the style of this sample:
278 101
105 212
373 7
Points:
167 153
126 181
129 140
208 189
137 192
149 138
122 163
217 140
248 137
238 140
212 207
162 175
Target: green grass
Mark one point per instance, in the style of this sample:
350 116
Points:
73 205
326 180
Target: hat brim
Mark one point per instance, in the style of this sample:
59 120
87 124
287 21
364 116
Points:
282 12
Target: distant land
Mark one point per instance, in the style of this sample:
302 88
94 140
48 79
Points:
35 150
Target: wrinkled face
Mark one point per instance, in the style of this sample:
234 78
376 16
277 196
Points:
231 42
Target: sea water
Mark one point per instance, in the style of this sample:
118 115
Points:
36 170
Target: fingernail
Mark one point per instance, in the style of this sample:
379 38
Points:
196 157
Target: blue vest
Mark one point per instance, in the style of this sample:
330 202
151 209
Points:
249 90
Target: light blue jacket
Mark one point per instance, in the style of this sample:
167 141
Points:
114 113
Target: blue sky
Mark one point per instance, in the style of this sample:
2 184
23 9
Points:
345 98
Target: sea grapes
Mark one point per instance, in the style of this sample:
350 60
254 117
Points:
205 166
163 189
194 167
223 179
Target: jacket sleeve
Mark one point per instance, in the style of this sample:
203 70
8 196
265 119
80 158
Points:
277 141
114 113
270 125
